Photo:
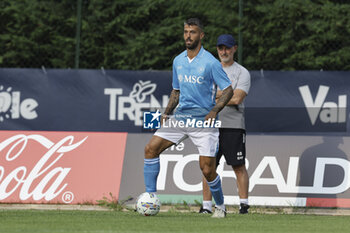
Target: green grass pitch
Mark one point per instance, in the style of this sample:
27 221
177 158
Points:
115 221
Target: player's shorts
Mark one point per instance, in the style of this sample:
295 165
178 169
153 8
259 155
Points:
232 146
205 139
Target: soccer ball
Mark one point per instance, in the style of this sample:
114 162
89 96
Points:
148 204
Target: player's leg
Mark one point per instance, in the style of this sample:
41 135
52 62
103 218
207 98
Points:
207 144
207 197
161 140
156 146
207 165
151 162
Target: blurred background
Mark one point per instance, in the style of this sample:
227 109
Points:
147 34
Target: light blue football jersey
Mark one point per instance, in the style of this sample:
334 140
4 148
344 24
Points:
197 81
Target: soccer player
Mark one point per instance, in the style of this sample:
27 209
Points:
232 131
196 73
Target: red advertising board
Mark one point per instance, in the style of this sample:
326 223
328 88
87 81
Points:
60 167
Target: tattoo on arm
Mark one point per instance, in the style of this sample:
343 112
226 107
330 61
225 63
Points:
173 102
223 100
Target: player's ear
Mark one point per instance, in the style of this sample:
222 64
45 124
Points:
202 35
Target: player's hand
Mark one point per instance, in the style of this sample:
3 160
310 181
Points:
211 116
163 119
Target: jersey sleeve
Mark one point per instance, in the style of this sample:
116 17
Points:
176 85
220 76
244 81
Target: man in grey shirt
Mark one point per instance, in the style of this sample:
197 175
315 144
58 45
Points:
232 131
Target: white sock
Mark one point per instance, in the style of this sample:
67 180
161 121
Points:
207 205
244 201
221 207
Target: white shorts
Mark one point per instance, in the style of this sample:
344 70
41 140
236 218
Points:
205 139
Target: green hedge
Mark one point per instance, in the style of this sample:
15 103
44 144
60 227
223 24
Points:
147 34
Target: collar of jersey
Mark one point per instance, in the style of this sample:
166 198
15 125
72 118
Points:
200 53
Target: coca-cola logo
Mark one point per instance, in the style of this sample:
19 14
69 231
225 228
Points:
43 181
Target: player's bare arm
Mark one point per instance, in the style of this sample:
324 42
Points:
237 98
226 95
173 102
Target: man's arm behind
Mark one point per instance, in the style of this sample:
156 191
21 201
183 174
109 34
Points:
237 98
227 94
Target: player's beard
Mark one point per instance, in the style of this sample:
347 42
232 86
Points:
193 45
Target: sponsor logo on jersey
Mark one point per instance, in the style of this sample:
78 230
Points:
190 79
201 69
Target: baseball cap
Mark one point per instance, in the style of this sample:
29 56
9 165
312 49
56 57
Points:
227 40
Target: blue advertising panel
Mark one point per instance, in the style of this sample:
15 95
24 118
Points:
114 100
79 100
299 101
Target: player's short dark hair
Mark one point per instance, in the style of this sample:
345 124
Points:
194 21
